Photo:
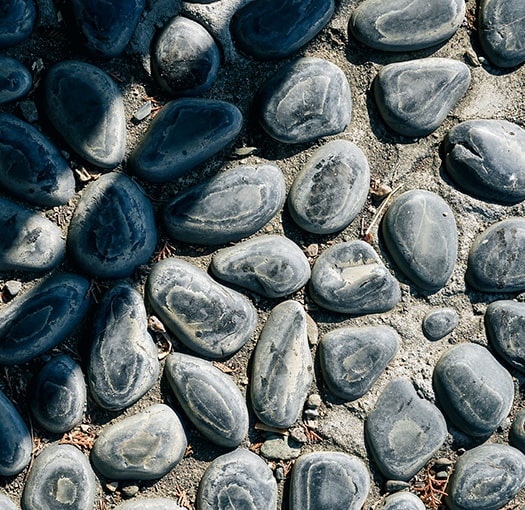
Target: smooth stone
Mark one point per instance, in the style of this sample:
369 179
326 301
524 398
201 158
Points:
209 397
305 100
58 395
212 320
41 318
15 80
270 265
402 501
275 29
86 107
239 479
414 97
282 366
144 446
123 362
403 431
331 189
31 167
186 59
420 234
112 230
13 287
406 25
473 389
352 359
227 207
17 18
150 504
486 159
486 477
517 431
350 278
439 323
185 133
6 503
280 448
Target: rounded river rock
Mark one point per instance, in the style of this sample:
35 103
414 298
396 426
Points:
402 501
517 431
439 323
6 503
17 18
15 80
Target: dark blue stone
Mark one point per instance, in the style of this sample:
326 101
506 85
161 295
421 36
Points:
17 18
15 80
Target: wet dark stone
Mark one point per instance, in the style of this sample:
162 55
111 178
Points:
402 501
17 18
149 504
305 100
331 189
439 323
227 207
517 431
113 227
6 503
15 80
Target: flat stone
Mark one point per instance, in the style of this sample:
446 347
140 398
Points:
144 446
414 97
278 447
6 503
123 363
331 189
420 234
517 431
209 397
31 167
15 80
275 29
439 323
352 359
113 227
185 133
270 265
85 106
150 504
473 389
406 25
17 18
227 207
403 431
402 501
350 278
282 367
305 100
207 317
41 318
486 159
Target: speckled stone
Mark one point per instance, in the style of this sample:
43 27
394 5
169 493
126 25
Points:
6 503
15 80
150 504
517 431
402 501
439 323
17 18
277 447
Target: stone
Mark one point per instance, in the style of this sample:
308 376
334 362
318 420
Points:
350 278
29 110
305 100
473 389
488 477
270 265
150 504
143 112
406 25
275 29
6 503
123 362
143 446
185 133
58 395
331 189
209 397
517 431
43 317
86 107
403 431
186 59
402 501
439 323
420 234
486 159
352 359
17 18
13 287
227 207
112 230
282 366
15 80
278 447
207 317
414 97
31 167
239 479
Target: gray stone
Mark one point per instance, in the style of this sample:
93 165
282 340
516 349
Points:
227 207
350 278
439 323
278 447
150 504
402 501
517 431
29 110
17 18
143 112
144 446
15 80
207 317
473 389
305 100
13 287
331 189
209 397
403 431
6 503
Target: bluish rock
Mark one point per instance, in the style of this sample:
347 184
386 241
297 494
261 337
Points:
517 431
402 501
15 80
17 18
149 504
6 503
439 323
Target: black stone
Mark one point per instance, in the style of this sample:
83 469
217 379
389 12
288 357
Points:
439 323
15 80
17 18
150 504
517 432
402 501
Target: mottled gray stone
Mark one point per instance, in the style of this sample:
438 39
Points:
415 96
350 278
209 397
17 18
282 366
207 317
420 234
331 189
403 431
6 503
150 504
227 207
279 447
517 431
402 501
15 80
305 100
439 323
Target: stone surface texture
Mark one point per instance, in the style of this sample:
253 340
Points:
517 432
150 504
402 501
15 80
439 323
17 18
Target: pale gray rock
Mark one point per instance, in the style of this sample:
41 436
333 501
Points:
150 504
439 323
17 18
402 501
6 503
15 80
278 447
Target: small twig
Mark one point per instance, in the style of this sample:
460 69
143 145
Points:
380 210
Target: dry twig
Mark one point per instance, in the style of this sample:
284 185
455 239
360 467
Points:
431 490
82 440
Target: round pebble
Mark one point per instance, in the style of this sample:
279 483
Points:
17 18
439 323
402 501
6 503
517 432
150 504
15 80
278 447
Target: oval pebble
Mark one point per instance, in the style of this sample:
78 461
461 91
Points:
15 80
150 504
517 431
6 503
439 323
402 501
17 18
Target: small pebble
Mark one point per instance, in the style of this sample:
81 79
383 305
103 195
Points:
150 504
280 448
439 323
402 501
143 112
517 431
13 287
396 485
129 490
29 111
15 80
314 401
